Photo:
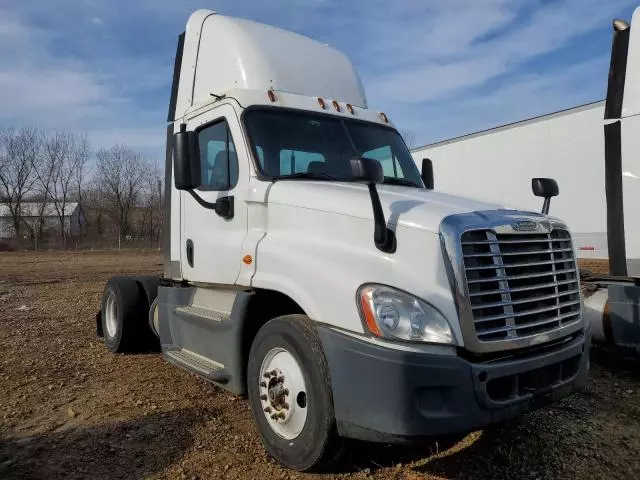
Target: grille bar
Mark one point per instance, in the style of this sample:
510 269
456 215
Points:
555 306
553 296
541 240
524 252
525 275
523 289
512 265
520 284
553 320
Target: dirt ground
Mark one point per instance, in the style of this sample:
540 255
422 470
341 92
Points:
69 409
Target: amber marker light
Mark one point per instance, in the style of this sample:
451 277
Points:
321 103
247 259
336 105
350 109
271 95
368 313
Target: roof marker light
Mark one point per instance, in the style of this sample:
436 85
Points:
350 109
336 105
271 95
321 103
384 117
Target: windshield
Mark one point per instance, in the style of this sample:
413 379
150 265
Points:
289 144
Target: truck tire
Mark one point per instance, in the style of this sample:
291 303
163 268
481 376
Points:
149 285
289 390
124 315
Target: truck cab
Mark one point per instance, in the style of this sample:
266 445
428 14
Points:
309 267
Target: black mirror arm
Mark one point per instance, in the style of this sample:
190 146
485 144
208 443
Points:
383 237
223 206
545 205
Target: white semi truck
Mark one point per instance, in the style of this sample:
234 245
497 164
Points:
593 151
311 266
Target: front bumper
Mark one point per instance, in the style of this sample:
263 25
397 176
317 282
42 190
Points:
388 395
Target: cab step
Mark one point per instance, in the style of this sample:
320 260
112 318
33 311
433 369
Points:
203 312
198 364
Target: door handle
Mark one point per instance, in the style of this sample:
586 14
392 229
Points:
190 252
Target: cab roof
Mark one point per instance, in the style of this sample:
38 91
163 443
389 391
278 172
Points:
222 53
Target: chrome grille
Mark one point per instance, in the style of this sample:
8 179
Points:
520 284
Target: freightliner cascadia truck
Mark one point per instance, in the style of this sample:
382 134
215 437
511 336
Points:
310 266
593 151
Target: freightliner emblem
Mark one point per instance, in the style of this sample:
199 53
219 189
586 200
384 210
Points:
525 226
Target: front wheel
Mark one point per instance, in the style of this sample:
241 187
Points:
290 393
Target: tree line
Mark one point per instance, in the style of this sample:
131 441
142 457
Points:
120 192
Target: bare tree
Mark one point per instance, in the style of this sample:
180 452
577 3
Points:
68 152
54 149
409 138
152 206
19 157
82 152
120 176
95 208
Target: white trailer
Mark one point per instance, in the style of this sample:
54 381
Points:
497 166
309 266
593 151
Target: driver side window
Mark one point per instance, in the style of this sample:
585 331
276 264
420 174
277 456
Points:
218 158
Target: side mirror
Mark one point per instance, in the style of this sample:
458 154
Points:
369 171
427 173
366 170
545 188
186 160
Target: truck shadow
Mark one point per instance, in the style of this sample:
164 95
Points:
616 361
131 449
503 451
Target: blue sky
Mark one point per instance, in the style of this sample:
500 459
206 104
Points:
439 68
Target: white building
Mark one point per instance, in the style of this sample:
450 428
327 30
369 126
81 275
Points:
74 218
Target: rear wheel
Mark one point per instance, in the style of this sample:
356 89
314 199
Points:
124 315
289 391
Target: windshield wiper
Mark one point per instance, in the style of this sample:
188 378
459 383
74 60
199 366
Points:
399 181
309 175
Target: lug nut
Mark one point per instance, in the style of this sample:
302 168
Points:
263 384
286 406
281 415
273 373
274 416
280 378
286 391
263 397
266 375
267 409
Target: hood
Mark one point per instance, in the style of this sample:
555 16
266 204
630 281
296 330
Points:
406 207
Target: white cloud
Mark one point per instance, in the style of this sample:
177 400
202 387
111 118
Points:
36 86
429 63
525 96
470 62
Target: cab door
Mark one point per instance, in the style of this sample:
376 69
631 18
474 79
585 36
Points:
211 241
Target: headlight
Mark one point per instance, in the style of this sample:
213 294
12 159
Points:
393 314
